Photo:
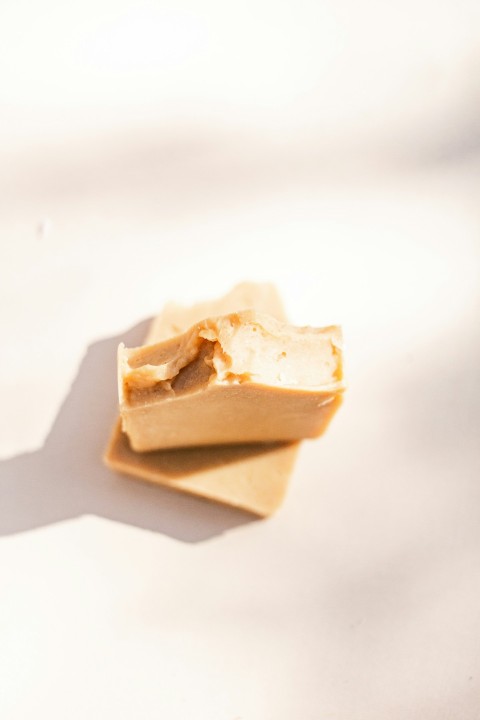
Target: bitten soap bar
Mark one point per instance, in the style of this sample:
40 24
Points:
244 377
251 477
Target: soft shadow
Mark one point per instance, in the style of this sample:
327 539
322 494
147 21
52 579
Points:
66 477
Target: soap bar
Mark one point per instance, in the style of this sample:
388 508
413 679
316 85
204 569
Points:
239 378
175 319
250 477
253 478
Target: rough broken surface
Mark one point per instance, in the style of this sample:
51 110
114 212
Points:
242 377
251 477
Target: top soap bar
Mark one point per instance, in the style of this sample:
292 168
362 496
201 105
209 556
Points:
239 378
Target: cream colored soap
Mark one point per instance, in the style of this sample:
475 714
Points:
239 378
176 319
251 477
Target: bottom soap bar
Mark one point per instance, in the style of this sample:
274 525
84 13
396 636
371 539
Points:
251 477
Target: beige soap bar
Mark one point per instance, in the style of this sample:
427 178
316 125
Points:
176 319
239 378
250 477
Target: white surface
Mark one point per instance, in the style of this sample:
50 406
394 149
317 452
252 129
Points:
359 600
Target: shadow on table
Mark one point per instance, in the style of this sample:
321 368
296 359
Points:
66 477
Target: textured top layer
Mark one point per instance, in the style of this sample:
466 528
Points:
242 347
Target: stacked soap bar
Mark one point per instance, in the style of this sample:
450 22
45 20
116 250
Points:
214 381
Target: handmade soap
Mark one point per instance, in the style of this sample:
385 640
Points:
176 319
239 378
251 477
